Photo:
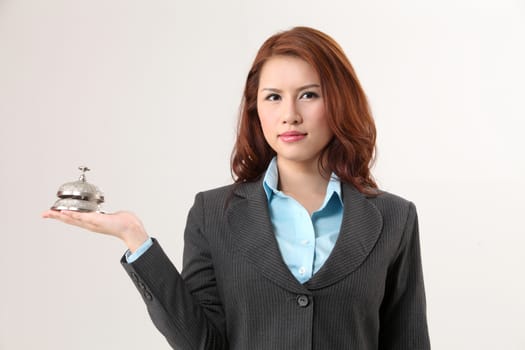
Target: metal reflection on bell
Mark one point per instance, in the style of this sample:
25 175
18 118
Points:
79 195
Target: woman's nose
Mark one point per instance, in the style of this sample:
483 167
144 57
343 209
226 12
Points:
290 114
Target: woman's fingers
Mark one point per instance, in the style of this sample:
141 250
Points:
122 224
89 221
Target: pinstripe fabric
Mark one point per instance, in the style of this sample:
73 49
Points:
235 292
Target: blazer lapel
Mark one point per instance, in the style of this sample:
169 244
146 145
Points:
360 230
254 238
253 235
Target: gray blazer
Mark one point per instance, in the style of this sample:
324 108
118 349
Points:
235 291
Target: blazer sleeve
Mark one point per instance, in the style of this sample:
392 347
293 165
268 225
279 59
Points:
403 310
187 311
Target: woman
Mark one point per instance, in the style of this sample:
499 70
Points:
303 251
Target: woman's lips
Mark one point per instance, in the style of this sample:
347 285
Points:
292 136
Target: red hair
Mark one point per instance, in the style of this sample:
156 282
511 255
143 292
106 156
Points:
350 153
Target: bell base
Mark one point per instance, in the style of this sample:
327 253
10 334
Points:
75 205
72 209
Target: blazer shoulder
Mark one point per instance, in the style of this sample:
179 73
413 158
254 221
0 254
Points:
218 197
390 198
218 192
390 204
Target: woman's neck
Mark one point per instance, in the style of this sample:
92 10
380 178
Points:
303 182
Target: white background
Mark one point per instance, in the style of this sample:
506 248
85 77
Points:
146 93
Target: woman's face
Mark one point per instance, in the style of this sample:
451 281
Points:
291 110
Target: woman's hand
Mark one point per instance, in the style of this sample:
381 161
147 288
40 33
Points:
123 224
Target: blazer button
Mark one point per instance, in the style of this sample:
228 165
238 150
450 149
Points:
147 295
134 277
302 300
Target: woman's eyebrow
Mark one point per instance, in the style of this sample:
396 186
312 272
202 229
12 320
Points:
308 86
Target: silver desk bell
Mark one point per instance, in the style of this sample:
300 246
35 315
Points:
79 195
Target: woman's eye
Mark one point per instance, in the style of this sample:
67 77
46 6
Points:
309 95
273 97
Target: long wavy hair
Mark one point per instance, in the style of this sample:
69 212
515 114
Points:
350 153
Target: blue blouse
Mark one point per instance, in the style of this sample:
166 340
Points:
305 241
